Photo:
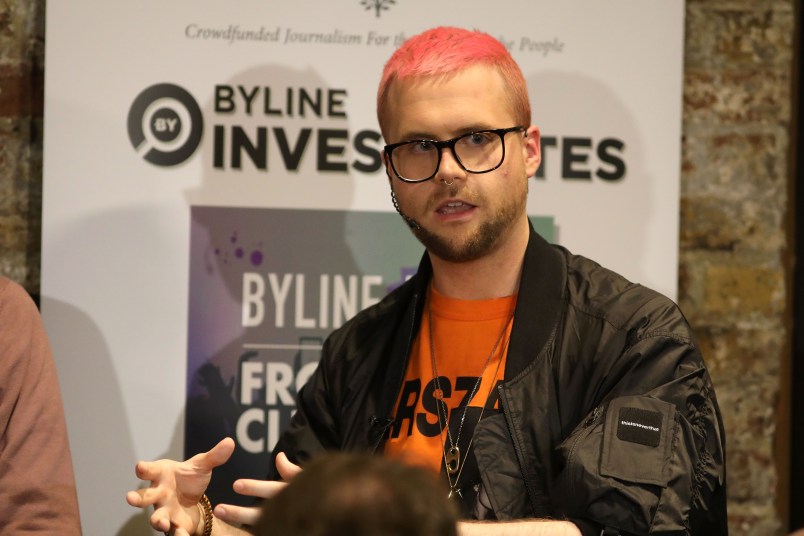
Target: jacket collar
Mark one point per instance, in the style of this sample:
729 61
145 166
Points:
539 301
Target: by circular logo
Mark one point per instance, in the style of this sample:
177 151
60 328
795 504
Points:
165 124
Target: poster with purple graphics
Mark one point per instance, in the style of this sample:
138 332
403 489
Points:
266 288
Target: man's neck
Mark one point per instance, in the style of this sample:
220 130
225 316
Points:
492 276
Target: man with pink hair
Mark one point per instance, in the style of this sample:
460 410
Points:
552 395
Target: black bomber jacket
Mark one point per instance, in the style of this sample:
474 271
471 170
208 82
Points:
609 417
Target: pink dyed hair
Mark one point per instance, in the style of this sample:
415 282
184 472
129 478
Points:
446 50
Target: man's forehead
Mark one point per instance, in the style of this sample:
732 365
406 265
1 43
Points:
436 106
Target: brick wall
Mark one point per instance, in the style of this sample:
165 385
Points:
22 39
734 258
734 200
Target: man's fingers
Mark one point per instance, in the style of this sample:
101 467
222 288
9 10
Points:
143 497
148 470
264 489
217 455
160 520
221 452
238 514
136 498
166 518
286 468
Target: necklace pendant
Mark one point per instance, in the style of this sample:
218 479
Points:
438 394
452 459
454 493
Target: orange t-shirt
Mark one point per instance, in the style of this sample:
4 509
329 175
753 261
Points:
465 334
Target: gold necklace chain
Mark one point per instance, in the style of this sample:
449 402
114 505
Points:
452 457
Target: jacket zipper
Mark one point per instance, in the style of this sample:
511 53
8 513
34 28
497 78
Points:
517 448
588 425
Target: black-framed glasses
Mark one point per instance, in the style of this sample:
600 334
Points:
480 151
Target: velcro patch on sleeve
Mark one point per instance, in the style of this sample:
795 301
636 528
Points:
639 426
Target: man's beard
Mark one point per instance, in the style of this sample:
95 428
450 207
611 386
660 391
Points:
479 243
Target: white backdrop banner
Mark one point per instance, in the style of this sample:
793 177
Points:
215 204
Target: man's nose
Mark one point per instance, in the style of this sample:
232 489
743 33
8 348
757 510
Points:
450 168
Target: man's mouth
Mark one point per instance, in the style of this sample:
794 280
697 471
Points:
454 207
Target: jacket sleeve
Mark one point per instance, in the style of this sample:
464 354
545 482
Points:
650 458
313 427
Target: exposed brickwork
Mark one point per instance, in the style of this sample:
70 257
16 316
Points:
737 116
735 173
21 103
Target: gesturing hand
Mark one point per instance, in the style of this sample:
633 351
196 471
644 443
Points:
176 488
263 489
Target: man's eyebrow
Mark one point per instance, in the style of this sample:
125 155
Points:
422 135
474 128
417 136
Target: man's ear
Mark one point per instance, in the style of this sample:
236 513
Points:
533 150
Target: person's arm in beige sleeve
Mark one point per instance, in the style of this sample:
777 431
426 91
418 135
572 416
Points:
37 485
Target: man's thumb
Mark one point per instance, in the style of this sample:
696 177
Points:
217 455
